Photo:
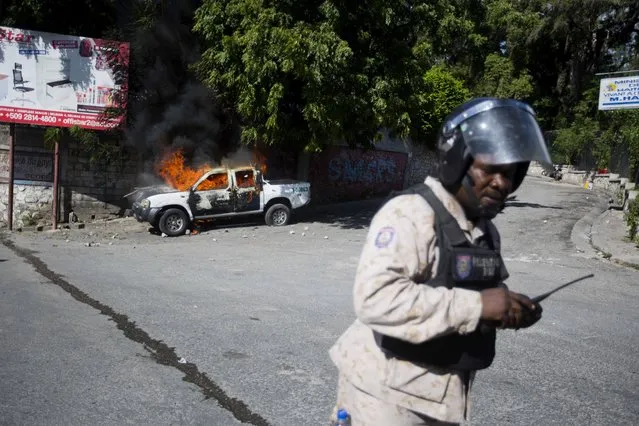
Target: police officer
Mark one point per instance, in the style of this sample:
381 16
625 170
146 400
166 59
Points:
429 290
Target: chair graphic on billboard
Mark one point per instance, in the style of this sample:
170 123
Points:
55 90
19 86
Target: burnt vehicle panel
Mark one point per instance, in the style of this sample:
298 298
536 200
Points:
211 196
246 193
220 192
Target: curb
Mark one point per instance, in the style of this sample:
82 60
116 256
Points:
609 255
580 235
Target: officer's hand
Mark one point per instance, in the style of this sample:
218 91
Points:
522 313
495 305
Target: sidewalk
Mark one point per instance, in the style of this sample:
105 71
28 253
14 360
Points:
608 235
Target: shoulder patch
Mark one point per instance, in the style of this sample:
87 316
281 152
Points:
385 237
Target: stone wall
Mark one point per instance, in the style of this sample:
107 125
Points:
31 204
422 163
619 190
91 190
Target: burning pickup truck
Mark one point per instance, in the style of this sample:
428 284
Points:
219 192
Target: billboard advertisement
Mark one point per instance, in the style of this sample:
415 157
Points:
49 79
619 93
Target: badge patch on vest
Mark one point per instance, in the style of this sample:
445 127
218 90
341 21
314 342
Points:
384 237
463 265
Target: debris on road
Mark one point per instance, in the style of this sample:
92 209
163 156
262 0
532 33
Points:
182 361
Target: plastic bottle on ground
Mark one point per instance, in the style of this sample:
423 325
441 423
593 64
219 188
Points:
343 418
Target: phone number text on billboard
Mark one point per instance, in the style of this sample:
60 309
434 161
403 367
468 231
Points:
56 119
32 118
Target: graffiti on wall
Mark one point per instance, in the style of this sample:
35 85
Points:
339 174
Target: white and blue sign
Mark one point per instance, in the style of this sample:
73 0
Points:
619 93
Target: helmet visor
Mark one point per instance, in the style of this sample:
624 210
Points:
505 135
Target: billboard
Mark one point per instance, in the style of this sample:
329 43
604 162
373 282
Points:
619 93
49 79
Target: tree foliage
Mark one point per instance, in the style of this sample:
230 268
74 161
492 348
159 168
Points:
440 93
313 72
307 73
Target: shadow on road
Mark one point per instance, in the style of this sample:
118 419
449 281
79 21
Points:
348 215
531 205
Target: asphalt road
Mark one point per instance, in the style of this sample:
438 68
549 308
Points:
234 324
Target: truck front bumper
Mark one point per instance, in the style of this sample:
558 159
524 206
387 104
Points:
141 214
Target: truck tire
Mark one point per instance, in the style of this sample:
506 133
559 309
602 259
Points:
278 215
174 222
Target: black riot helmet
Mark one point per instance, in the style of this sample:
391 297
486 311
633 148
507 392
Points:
501 131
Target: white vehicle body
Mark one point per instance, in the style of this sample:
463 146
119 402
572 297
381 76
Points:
221 192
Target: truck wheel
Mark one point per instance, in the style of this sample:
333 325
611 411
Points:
174 222
278 215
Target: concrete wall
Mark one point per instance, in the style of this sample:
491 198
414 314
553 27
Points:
343 174
87 189
619 190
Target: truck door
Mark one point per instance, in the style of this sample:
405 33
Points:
246 194
212 195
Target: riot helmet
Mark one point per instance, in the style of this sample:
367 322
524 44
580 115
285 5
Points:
501 131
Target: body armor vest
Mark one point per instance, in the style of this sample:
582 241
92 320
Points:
462 265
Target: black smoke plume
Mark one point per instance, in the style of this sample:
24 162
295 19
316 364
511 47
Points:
170 109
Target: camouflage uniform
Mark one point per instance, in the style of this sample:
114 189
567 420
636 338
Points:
400 250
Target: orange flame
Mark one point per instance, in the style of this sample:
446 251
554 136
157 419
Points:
178 175
181 177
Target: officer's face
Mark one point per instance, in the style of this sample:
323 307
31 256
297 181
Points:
492 184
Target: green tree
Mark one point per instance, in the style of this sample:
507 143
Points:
561 44
501 80
440 93
308 73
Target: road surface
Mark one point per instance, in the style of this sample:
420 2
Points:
234 324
